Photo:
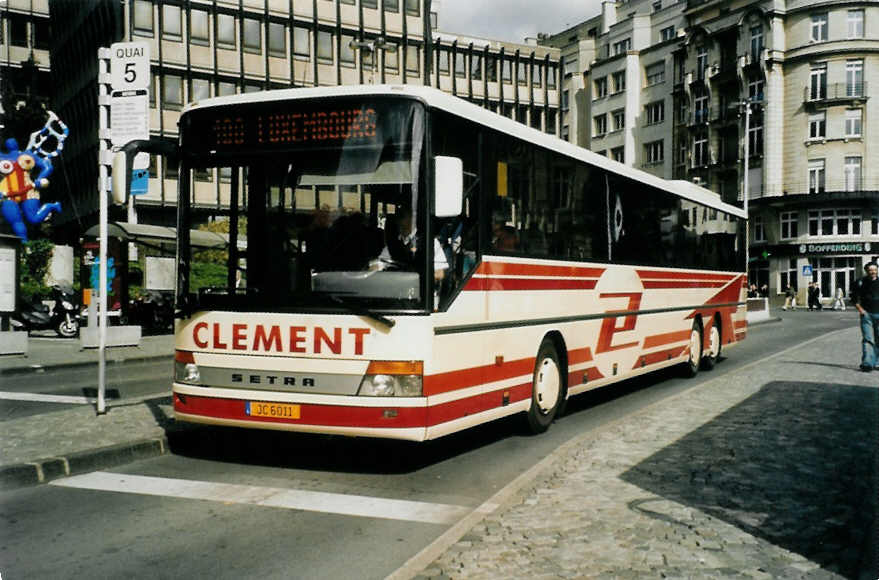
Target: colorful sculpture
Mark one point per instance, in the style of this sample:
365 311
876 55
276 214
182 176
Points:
19 194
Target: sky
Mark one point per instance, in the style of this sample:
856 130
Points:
513 20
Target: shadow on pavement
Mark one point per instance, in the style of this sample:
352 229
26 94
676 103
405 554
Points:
794 464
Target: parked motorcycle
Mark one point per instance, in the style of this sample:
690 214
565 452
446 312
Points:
62 317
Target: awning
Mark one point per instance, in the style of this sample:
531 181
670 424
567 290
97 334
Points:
163 235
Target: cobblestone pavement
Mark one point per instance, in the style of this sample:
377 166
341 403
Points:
766 472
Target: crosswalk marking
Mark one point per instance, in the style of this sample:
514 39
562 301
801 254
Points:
40 398
315 501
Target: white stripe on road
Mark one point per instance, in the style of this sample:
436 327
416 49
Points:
36 397
315 501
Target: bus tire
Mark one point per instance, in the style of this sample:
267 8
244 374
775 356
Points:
547 390
714 345
694 359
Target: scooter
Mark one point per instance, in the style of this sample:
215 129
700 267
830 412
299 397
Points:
153 310
62 317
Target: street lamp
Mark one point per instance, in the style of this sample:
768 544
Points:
371 47
745 106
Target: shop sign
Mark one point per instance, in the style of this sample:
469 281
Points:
840 248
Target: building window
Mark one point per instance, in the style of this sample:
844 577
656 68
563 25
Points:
654 152
816 176
855 20
199 32
507 70
277 39
571 65
324 45
667 33
700 149
444 62
852 173
655 112
142 17
681 153
522 74
460 65
789 226
600 87
622 46
225 88
755 135
476 67
369 3
412 56
619 81
346 50
756 41
199 89
391 5
818 82
835 222
566 100
853 123
172 92
226 30
301 44
788 278
655 73
619 119
172 21
818 125
600 122
701 61
755 89
536 80
759 229
252 36
819 27
854 78
392 57
551 119
701 110
618 154
41 34
413 7
550 76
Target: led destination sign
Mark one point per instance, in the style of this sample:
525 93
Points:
322 126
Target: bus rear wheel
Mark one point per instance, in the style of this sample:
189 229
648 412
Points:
714 346
691 367
547 388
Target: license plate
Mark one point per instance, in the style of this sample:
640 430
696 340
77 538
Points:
273 410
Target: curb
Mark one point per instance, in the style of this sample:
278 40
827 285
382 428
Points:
31 473
40 368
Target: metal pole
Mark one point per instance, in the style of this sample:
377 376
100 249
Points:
103 124
745 186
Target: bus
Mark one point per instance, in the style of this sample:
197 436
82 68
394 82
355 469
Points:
405 264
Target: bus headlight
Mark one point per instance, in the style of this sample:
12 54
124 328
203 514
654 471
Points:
392 379
185 369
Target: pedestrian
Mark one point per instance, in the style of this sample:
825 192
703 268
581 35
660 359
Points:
865 297
764 291
839 301
790 298
814 296
752 291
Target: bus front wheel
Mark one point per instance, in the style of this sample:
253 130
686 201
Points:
691 367
547 388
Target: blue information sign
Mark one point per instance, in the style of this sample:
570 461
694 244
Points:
807 271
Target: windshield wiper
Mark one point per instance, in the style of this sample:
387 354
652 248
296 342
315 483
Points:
362 311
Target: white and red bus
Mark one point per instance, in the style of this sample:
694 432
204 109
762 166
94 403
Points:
416 265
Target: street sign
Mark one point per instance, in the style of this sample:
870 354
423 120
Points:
140 182
129 66
129 120
807 271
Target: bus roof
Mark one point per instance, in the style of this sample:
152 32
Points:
441 100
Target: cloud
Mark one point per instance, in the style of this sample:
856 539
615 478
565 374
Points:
513 20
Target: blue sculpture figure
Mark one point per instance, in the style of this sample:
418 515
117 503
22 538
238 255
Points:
19 194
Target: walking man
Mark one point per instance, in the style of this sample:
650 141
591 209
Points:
866 300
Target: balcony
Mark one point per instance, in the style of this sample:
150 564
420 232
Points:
835 94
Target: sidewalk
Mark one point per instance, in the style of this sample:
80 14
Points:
766 472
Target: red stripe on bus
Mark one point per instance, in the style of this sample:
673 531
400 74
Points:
309 414
678 284
666 338
660 356
667 275
579 355
460 408
471 377
576 377
493 284
509 269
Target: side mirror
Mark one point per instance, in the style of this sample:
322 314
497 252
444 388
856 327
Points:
448 186
121 179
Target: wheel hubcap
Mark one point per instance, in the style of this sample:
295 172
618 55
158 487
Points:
694 347
547 385
715 341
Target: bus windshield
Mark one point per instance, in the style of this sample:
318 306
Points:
331 212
